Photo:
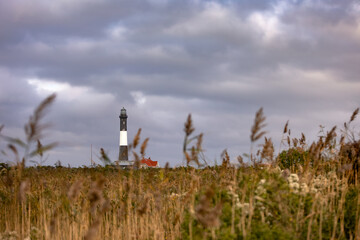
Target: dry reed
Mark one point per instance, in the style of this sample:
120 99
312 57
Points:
315 199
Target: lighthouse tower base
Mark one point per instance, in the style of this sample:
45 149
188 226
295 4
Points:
124 164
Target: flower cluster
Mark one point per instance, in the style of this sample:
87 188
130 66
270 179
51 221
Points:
232 192
260 190
296 186
318 184
244 207
293 180
13 235
260 193
330 180
174 196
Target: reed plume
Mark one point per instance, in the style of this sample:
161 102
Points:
104 157
317 200
24 189
268 150
195 150
330 136
208 216
74 190
259 124
93 230
286 127
34 128
353 116
136 138
225 158
188 128
143 147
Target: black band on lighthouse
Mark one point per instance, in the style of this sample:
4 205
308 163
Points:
123 153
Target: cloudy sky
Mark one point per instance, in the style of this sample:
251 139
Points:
219 60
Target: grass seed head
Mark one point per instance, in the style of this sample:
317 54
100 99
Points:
240 159
259 124
225 158
188 158
286 126
136 160
105 205
268 150
199 142
302 139
136 139
288 141
143 147
330 136
95 195
53 223
342 140
39 147
295 142
208 216
104 157
355 113
92 231
144 206
74 190
188 128
15 151
33 129
23 190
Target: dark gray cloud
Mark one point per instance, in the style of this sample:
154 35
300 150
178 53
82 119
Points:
220 60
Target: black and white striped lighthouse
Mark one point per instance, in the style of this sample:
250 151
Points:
123 149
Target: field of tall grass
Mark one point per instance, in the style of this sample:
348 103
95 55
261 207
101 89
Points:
307 191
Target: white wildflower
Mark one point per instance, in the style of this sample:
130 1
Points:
173 195
259 199
304 189
294 186
293 178
262 181
235 196
10 235
245 207
260 190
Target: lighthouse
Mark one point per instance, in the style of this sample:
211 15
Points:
123 145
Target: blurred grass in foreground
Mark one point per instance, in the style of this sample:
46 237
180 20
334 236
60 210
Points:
308 191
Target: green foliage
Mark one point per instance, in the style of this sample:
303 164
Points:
351 209
265 231
292 158
4 166
214 202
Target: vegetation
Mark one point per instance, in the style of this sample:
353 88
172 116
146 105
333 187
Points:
306 192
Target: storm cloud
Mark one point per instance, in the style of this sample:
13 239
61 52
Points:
219 60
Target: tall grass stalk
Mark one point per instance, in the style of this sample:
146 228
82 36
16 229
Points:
307 193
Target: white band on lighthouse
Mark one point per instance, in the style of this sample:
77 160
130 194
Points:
123 138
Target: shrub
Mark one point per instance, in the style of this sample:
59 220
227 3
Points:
292 158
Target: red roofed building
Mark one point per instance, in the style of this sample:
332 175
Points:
148 163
